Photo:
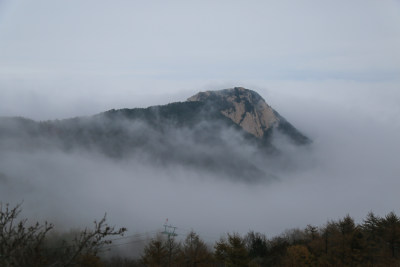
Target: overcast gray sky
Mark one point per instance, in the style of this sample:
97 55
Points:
68 58
332 68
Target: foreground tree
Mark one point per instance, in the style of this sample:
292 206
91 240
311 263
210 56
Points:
195 252
20 244
390 232
232 252
373 240
85 245
155 253
297 255
162 252
257 246
24 245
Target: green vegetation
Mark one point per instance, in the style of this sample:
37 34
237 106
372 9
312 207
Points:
374 242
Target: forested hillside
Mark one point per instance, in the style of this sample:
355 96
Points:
373 242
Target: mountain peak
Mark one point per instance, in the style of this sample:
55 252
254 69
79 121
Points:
244 107
208 131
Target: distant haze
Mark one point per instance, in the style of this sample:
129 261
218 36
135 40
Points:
351 167
62 59
332 69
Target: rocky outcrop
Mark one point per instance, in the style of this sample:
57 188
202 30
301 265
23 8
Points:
244 107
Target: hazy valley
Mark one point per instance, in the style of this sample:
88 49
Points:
224 161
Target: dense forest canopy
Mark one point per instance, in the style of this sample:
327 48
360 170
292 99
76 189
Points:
342 242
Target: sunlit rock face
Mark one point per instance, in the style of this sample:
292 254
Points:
244 107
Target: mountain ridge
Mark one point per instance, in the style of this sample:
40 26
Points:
209 131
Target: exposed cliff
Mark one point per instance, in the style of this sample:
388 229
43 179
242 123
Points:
249 110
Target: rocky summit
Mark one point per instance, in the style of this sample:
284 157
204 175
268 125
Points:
249 110
244 107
